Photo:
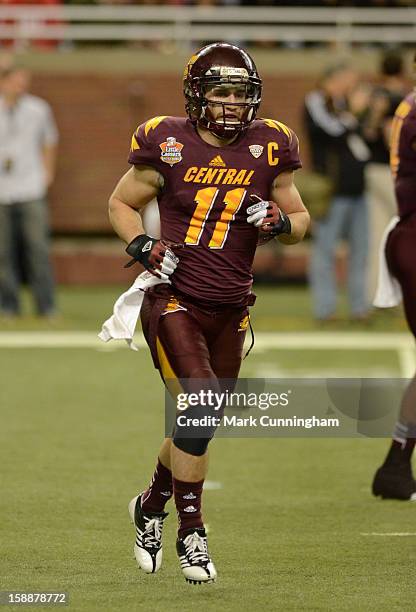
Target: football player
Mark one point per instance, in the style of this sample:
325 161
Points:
224 182
394 479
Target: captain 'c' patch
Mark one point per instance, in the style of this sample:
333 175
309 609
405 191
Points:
272 148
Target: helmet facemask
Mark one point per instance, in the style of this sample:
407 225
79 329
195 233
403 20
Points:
224 100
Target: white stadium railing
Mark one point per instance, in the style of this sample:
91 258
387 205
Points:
188 24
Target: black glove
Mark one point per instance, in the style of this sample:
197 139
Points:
283 226
268 217
140 249
153 254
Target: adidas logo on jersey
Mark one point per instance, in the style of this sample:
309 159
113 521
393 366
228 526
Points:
190 509
189 496
217 161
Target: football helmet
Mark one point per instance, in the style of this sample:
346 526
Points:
221 64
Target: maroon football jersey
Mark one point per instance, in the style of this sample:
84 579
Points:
403 155
205 197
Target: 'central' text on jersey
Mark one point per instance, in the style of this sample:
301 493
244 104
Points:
218 176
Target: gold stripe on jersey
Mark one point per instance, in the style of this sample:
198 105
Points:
153 123
286 130
400 115
403 109
134 143
218 176
279 126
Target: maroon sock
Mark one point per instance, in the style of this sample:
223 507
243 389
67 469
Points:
400 452
159 490
188 504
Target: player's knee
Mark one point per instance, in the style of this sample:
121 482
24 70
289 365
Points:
194 429
192 446
196 426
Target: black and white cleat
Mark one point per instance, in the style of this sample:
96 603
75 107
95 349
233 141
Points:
148 542
193 555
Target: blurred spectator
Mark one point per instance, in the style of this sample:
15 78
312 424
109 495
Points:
385 98
339 153
28 144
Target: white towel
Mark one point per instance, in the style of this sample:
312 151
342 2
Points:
388 292
122 324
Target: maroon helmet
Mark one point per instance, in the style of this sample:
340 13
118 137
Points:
221 64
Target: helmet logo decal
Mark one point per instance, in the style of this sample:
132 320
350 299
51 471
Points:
228 71
189 65
256 150
171 151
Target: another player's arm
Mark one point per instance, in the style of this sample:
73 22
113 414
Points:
288 198
134 190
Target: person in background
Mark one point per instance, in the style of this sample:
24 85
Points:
385 98
28 148
339 153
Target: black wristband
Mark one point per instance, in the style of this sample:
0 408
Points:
283 226
140 248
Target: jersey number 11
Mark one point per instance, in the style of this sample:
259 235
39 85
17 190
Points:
205 199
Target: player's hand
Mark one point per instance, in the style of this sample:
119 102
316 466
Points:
268 217
153 254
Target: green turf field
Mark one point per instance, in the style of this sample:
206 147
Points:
292 527
279 308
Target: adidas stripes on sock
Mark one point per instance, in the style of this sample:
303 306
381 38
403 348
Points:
188 504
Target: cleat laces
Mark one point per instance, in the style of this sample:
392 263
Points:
196 549
153 532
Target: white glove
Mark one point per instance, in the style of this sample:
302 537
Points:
168 265
258 211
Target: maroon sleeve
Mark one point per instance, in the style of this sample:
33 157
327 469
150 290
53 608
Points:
290 159
409 133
